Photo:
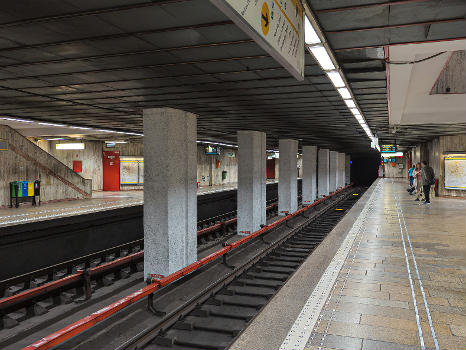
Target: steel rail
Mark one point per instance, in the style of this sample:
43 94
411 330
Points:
81 274
147 336
88 322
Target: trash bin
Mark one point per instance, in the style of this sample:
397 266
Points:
14 189
20 189
224 175
37 188
25 188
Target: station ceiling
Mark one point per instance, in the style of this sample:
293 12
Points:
100 63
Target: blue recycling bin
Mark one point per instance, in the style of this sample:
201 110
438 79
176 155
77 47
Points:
24 184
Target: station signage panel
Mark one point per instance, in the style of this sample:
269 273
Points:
276 25
388 148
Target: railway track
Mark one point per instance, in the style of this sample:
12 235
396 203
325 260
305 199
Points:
178 294
219 313
37 292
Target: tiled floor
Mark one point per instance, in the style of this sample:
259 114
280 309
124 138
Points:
46 211
372 305
354 291
100 201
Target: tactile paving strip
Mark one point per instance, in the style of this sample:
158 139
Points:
301 330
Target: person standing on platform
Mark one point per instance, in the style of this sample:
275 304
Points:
411 177
417 186
428 179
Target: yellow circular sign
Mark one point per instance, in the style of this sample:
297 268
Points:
265 18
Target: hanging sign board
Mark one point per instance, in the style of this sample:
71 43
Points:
276 25
388 148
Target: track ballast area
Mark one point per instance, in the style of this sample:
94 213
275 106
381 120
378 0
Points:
222 311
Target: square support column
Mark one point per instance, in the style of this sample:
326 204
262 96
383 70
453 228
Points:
170 198
288 181
341 170
309 174
251 181
333 168
347 169
323 172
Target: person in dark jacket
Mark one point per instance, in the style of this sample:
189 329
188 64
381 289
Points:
428 179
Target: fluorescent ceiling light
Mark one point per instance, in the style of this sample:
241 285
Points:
116 142
79 127
350 103
355 111
103 130
79 145
56 139
49 124
322 56
359 117
310 35
344 92
17 120
388 155
336 79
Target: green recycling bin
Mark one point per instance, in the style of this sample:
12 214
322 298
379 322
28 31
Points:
20 188
14 189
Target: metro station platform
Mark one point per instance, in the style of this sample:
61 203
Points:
100 201
391 275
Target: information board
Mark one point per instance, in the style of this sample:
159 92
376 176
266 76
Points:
388 148
276 25
455 173
131 170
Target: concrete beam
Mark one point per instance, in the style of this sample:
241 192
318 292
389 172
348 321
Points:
341 170
309 183
170 201
251 181
288 180
347 169
333 169
323 172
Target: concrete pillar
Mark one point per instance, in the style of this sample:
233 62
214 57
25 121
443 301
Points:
170 199
341 170
309 174
323 172
288 183
347 169
333 166
251 181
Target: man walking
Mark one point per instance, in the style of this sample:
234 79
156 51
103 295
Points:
428 179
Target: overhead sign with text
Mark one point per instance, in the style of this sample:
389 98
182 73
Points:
276 25
388 148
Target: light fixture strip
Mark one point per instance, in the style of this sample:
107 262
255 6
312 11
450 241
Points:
316 44
21 120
